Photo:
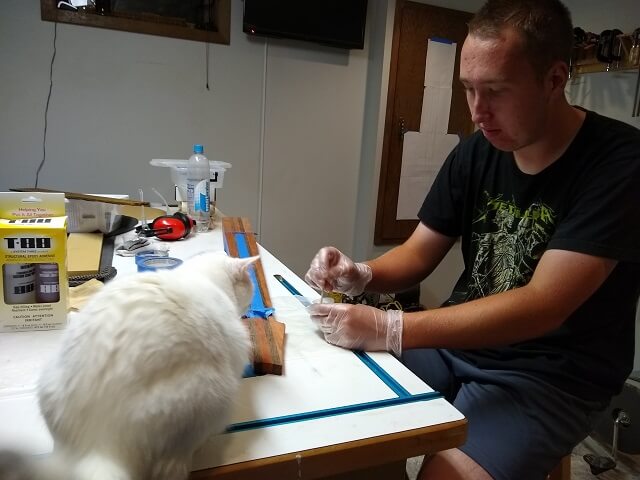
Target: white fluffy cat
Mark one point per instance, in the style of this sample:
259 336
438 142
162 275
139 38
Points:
146 373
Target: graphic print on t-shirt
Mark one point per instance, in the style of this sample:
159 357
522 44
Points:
508 241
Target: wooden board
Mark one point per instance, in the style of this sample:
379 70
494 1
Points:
84 196
267 344
83 253
140 212
267 335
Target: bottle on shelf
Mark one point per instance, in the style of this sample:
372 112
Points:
198 188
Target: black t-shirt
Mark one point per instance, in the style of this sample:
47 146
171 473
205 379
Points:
587 201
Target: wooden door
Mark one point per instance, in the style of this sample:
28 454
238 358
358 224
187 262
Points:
414 25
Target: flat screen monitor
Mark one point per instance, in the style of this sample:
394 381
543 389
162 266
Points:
338 23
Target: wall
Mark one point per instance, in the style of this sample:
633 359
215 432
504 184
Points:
287 115
120 99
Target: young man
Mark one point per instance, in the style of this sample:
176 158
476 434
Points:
537 335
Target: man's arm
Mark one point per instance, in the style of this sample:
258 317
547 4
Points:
409 263
562 281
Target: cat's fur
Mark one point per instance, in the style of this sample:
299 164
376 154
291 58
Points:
146 373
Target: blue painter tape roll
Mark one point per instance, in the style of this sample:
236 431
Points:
151 263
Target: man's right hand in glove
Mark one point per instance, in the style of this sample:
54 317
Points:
331 270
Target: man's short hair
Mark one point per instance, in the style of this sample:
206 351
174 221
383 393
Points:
544 25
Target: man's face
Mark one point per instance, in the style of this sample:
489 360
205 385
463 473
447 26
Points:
508 102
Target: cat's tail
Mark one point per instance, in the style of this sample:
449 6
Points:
58 466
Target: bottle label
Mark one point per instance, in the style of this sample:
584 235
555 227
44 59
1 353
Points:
47 283
19 283
201 197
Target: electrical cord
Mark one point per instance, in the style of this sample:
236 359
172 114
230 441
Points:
105 274
206 61
46 109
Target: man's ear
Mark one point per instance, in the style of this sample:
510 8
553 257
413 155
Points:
557 77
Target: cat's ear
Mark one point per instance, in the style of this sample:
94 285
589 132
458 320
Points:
243 265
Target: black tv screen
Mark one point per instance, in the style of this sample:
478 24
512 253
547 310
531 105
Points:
338 23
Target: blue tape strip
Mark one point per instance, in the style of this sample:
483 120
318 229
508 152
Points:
382 374
287 285
329 412
249 371
441 40
303 300
152 263
257 307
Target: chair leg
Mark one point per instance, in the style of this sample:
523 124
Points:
562 470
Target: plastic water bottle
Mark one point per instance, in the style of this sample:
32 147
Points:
198 188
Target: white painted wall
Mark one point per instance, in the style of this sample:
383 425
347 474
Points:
287 115
120 99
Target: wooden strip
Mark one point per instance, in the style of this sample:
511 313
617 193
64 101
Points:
239 225
232 246
83 253
229 238
136 211
251 328
252 246
84 196
267 335
276 341
234 225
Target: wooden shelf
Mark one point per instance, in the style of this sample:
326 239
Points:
603 67
148 23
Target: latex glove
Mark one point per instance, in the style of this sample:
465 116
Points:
332 270
359 327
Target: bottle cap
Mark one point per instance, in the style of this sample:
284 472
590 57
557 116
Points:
197 148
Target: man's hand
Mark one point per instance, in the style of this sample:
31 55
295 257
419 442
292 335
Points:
331 270
359 327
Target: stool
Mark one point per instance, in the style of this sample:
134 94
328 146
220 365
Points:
562 470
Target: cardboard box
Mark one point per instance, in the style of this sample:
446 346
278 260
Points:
33 256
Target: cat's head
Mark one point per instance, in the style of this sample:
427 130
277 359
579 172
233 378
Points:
231 274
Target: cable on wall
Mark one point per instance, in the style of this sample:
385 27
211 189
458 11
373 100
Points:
263 108
46 108
206 63
208 22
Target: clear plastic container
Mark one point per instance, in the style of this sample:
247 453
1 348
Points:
198 188
178 168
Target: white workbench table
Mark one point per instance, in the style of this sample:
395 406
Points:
331 412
